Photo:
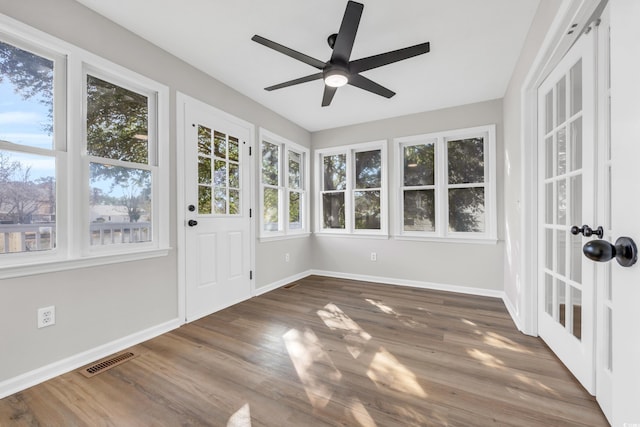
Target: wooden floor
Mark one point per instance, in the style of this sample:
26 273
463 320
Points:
326 352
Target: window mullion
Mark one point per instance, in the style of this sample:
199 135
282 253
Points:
442 188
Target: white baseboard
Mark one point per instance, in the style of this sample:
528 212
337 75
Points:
275 285
412 283
513 312
31 378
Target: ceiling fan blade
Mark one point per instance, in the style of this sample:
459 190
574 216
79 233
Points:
375 61
305 79
329 91
347 33
369 85
289 52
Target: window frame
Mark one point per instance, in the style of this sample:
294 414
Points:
350 189
72 177
442 186
284 231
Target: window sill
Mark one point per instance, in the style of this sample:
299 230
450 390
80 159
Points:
8 272
352 235
458 240
265 239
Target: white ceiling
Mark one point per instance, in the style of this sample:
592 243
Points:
474 47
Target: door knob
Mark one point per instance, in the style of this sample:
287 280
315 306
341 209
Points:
192 223
624 251
587 231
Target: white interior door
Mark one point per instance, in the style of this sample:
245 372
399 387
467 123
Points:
217 210
566 188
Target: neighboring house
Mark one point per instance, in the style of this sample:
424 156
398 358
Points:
108 213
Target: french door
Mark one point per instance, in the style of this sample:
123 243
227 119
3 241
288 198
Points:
567 193
574 189
217 224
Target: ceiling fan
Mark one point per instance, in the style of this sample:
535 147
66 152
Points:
339 70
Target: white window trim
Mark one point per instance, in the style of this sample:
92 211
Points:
72 187
442 233
284 146
349 151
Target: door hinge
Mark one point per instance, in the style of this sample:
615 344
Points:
250 213
250 274
249 150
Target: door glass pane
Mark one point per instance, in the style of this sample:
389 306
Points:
234 202
234 151
466 161
369 169
575 82
26 85
117 122
466 209
367 210
204 140
419 164
576 199
295 218
333 210
548 294
561 151
28 202
575 257
561 207
561 245
335 172
548 151
120 201
271 203
561 302
576 312
548 208
269 163
220 173
561 101
220 201
419 210
220 145
204 200
576 144
234 175
548 107
548 248
204 170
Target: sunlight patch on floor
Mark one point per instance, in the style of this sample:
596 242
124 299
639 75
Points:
336 320
498 341
405 320
536 383
242 417
387 372
315 368
486 358
360 414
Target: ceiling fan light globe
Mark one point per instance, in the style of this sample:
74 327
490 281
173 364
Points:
336 79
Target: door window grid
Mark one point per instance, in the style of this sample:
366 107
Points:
218 173
563 186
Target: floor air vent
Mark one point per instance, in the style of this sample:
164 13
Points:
106 364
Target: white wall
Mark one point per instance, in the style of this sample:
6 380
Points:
478 266
95 306
512 106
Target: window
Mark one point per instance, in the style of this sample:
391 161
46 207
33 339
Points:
79 181
447 184
283 187
352 189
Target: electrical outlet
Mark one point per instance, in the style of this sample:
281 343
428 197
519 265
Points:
46 316
287 258
374 256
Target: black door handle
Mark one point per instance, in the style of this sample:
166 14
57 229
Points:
624 251
191 208
587 231
192 223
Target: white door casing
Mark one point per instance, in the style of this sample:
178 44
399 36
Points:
216 201
566 193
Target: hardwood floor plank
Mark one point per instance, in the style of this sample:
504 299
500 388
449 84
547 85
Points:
326 352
